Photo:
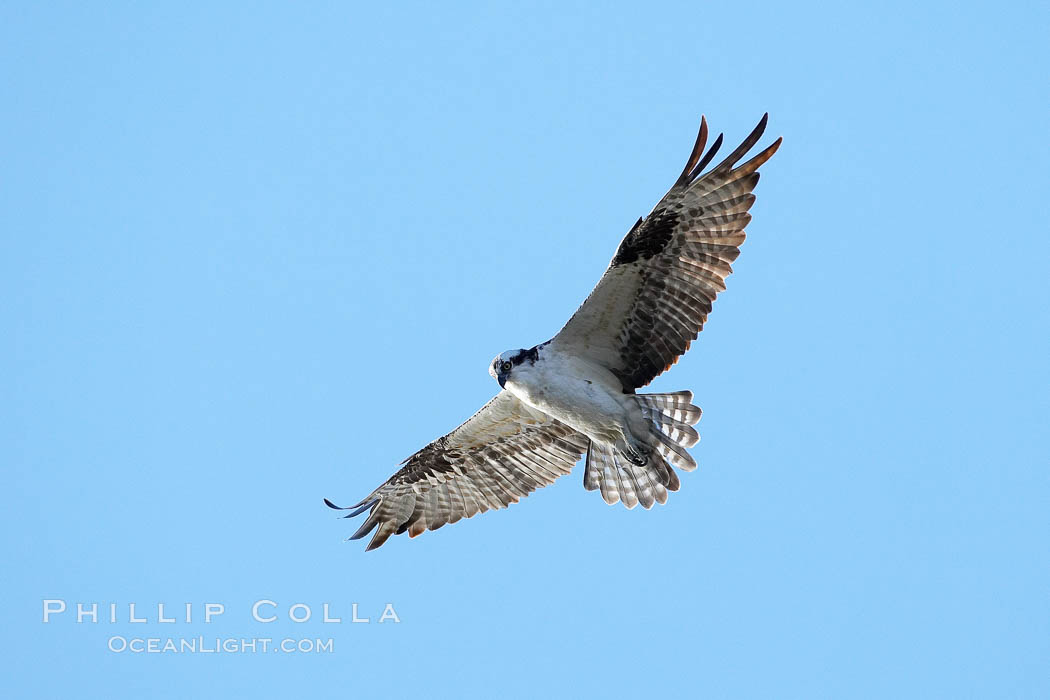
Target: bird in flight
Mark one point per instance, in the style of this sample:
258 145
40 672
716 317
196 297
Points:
576 393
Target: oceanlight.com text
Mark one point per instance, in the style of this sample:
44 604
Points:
218 645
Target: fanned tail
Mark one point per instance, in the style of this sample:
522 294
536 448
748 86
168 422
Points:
619 480
671 418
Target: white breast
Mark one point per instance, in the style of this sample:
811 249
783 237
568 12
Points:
584 396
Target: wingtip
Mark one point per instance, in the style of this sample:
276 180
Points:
696 164
760 128
709 155
357 508
760 159
698 150
773 147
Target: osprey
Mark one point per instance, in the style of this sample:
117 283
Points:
575 393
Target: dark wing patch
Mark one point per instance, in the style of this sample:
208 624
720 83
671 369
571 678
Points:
647 238
654 298
501 454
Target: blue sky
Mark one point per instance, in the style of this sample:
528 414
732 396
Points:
253 256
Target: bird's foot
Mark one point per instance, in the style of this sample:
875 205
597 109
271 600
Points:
634 455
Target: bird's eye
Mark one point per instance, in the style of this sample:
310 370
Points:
506 366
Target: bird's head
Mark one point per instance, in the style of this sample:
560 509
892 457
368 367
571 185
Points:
503 365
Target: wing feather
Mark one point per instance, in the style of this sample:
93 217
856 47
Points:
503 453
655 297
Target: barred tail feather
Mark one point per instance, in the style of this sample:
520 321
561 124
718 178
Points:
674 408
671 419
621 481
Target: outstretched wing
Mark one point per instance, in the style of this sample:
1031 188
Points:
652 301
501 454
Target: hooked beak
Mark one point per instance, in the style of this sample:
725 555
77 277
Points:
502 379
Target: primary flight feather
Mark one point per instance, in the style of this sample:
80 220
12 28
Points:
575 393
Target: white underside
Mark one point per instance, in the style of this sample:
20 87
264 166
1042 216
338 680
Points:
584 396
